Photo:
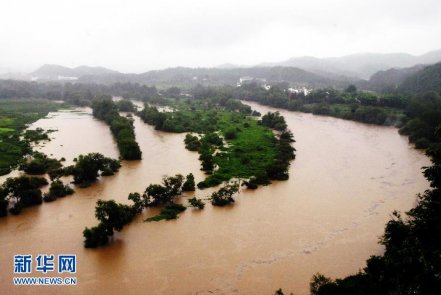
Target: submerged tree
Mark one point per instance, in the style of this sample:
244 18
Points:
207 159
197 203
95 236
40 164
157 194
112 216
138 204
189 184
87 167
224 195
57 190
21 192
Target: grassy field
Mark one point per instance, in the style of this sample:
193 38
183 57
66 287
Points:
15 116
6 130
249 154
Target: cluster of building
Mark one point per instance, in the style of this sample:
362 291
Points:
59 78
260 81
264 84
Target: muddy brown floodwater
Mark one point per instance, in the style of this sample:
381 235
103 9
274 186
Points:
345 182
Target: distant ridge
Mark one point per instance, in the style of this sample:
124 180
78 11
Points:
391 79
188 77
361 65
51 72
386 71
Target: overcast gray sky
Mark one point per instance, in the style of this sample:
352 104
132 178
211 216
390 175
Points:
136 35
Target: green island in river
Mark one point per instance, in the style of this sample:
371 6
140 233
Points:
231 143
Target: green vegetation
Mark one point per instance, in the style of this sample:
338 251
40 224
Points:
274 121
114 216
157 195
125 105
196 203
426 80
37 135
160 194
122 128
351 104
40 164
88 167
189 184
230 144
80 94
224 195
24 191
423 116
20 192
95 236
57 190
416 116
15 116
169 212
192 142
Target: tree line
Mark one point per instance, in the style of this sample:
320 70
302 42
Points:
17 193
417 116
113 216
122 128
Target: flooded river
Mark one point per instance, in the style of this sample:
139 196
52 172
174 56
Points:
344 184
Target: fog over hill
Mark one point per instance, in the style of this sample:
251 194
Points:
215 76
392 78
52 72
359 65
386 71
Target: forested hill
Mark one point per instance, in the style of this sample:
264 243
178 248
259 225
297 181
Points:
427 79
391 79
360 65
187 77
190 77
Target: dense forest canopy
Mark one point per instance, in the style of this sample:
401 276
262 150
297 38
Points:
122 127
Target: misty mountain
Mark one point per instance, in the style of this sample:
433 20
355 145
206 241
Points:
187 77
427 79
359 65
392 78
228 66
51 72
14 76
